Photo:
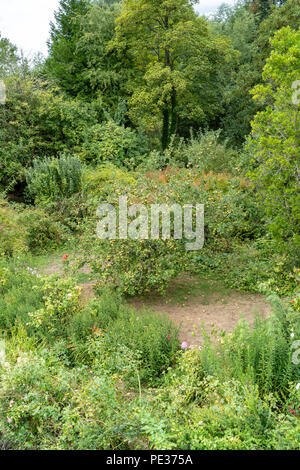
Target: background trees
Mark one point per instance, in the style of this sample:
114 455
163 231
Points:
8 57
249 30
65 64
176 63
127 83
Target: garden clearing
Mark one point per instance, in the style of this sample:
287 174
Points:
191 303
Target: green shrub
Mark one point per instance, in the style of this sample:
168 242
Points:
43 232
20 294
195 411
102 179
13 236
137 267
54 178
43 405
33 394
206 152
110 142
114 335
61 298
146 335
248 266
261 355
274 142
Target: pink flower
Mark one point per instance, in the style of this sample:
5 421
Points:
11 403
8 420
169 337
184 345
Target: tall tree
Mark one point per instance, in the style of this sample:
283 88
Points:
263 8
8 57
176 63
275 144
65 64
106 74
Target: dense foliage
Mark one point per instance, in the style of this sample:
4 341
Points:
148 100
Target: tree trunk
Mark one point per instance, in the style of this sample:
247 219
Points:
165 129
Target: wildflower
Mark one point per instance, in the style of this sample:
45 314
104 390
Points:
65 257
292 301
184 345
292 335
11 403
298 386
169 337
8 420
69 296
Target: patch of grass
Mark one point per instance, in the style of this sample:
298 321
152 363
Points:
186 289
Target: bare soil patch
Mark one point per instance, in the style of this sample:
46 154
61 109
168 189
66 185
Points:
208 304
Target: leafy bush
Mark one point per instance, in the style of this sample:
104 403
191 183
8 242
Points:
20 293
42 231
54 178
206 152
110 142
137 266
24 228
261 356
232 416
102 179
46 406
38 121
274 142
13 236
247 266
61 300
115 334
